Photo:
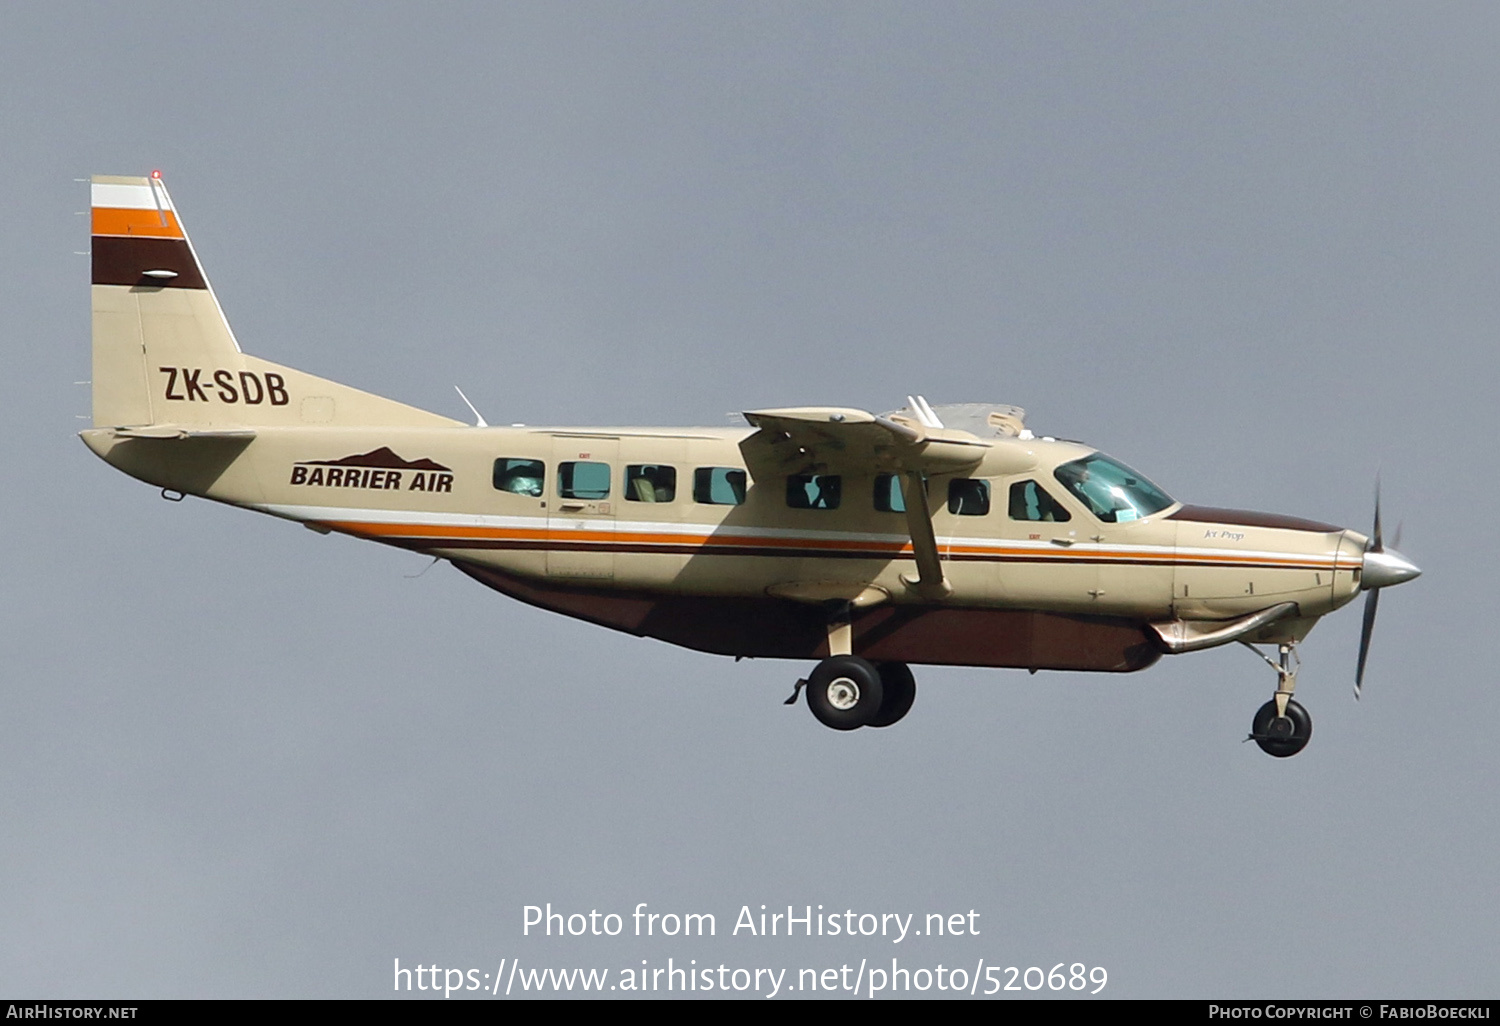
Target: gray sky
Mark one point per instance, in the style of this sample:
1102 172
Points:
1250 249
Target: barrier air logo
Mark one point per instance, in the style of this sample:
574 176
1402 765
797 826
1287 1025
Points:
379 468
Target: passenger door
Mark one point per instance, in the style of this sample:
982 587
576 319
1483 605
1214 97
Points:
582 507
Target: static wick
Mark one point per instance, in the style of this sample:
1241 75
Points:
429 566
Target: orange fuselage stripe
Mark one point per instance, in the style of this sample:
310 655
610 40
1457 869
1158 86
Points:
545 535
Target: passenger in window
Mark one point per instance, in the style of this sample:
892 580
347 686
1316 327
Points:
650 483
813 491
523 477
719 486
968 497
1029 501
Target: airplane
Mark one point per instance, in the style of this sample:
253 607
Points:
861 542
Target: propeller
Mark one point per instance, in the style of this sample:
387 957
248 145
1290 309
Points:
1382 568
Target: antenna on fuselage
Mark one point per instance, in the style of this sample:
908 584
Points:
924 412
479 421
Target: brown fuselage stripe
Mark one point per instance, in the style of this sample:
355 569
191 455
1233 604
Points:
125 259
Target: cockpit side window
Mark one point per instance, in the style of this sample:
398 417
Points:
1030 501
1112 491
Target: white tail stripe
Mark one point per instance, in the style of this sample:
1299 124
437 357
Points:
129 197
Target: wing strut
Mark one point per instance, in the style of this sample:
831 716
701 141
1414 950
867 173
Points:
929 582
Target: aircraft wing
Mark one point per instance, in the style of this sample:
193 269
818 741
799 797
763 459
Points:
834 440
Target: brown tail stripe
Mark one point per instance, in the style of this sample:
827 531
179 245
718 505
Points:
124 260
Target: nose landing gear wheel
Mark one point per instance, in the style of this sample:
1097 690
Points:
844 692
1282 736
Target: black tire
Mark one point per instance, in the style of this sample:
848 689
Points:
1282 736
844 692
900 689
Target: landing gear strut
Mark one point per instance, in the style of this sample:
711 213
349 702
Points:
1281 727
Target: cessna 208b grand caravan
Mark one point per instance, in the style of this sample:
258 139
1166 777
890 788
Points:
947 535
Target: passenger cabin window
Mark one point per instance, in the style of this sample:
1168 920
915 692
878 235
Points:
524 477
719 486
968 497
813 491
1112 491
1028 501
649 482
889 498
580 480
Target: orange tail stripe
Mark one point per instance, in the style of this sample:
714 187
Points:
117 221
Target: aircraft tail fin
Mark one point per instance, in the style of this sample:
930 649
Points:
163 350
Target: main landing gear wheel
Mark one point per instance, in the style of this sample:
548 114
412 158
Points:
900 689
844 692
1282 736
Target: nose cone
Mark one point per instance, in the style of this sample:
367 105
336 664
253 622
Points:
1383 569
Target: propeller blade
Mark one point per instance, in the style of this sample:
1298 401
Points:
1372 600
1396 541
1382 568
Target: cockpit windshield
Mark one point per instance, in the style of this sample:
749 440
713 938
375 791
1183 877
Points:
1112 491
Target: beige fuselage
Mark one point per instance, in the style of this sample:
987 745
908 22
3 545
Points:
751 579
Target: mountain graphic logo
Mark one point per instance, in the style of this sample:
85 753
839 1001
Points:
379 468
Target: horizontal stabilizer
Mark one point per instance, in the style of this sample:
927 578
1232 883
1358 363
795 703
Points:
174 431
